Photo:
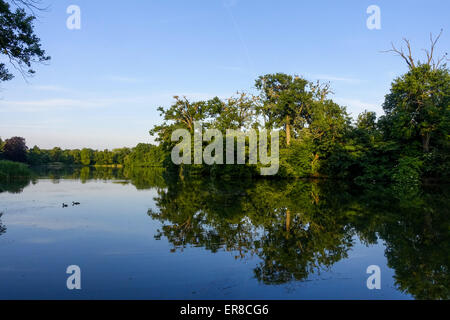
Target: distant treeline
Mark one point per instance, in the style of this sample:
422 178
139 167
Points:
143 155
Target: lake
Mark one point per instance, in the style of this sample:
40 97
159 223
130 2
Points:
142 234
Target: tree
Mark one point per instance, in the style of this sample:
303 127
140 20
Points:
35 156
185 112
418 103
56 154
18 42
15 149
431 60
75 155
86 156
146 155
1 148
367 121
237 112
180 115
284 98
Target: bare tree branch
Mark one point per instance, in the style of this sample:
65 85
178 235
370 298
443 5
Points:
33 6
408 57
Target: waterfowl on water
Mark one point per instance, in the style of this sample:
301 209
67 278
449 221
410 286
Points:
75 203
65 205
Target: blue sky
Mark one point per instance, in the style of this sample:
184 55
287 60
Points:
105 81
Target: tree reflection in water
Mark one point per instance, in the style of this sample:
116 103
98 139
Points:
298 228
2 227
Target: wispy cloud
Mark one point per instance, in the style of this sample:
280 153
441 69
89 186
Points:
54 88
50 104
123 79
91 103
24 126
328 77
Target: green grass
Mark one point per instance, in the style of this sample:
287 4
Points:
10 169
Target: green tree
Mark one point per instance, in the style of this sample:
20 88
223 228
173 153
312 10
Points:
86 156
56 154
35 156
418 105
18 43
284 98
237 112
367 121
120 154
185 113
75 155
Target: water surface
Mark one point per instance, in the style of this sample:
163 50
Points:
139 234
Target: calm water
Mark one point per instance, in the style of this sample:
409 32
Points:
139 235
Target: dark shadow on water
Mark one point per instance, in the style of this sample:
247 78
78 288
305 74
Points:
15 185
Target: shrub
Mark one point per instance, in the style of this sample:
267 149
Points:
10 169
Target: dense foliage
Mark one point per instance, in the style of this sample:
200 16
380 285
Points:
18 43
14 149
10 169
408 143
143 155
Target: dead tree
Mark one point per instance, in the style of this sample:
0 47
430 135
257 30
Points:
408 56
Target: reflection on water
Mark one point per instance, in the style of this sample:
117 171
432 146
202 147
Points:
14 186
298 228
141 178
293 229
2 227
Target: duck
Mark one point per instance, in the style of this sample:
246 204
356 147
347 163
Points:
64 205
75 203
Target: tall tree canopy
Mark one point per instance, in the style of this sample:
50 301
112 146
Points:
285 97
418 106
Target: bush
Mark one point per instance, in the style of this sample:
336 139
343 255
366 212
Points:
407 171
297 160
10 169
